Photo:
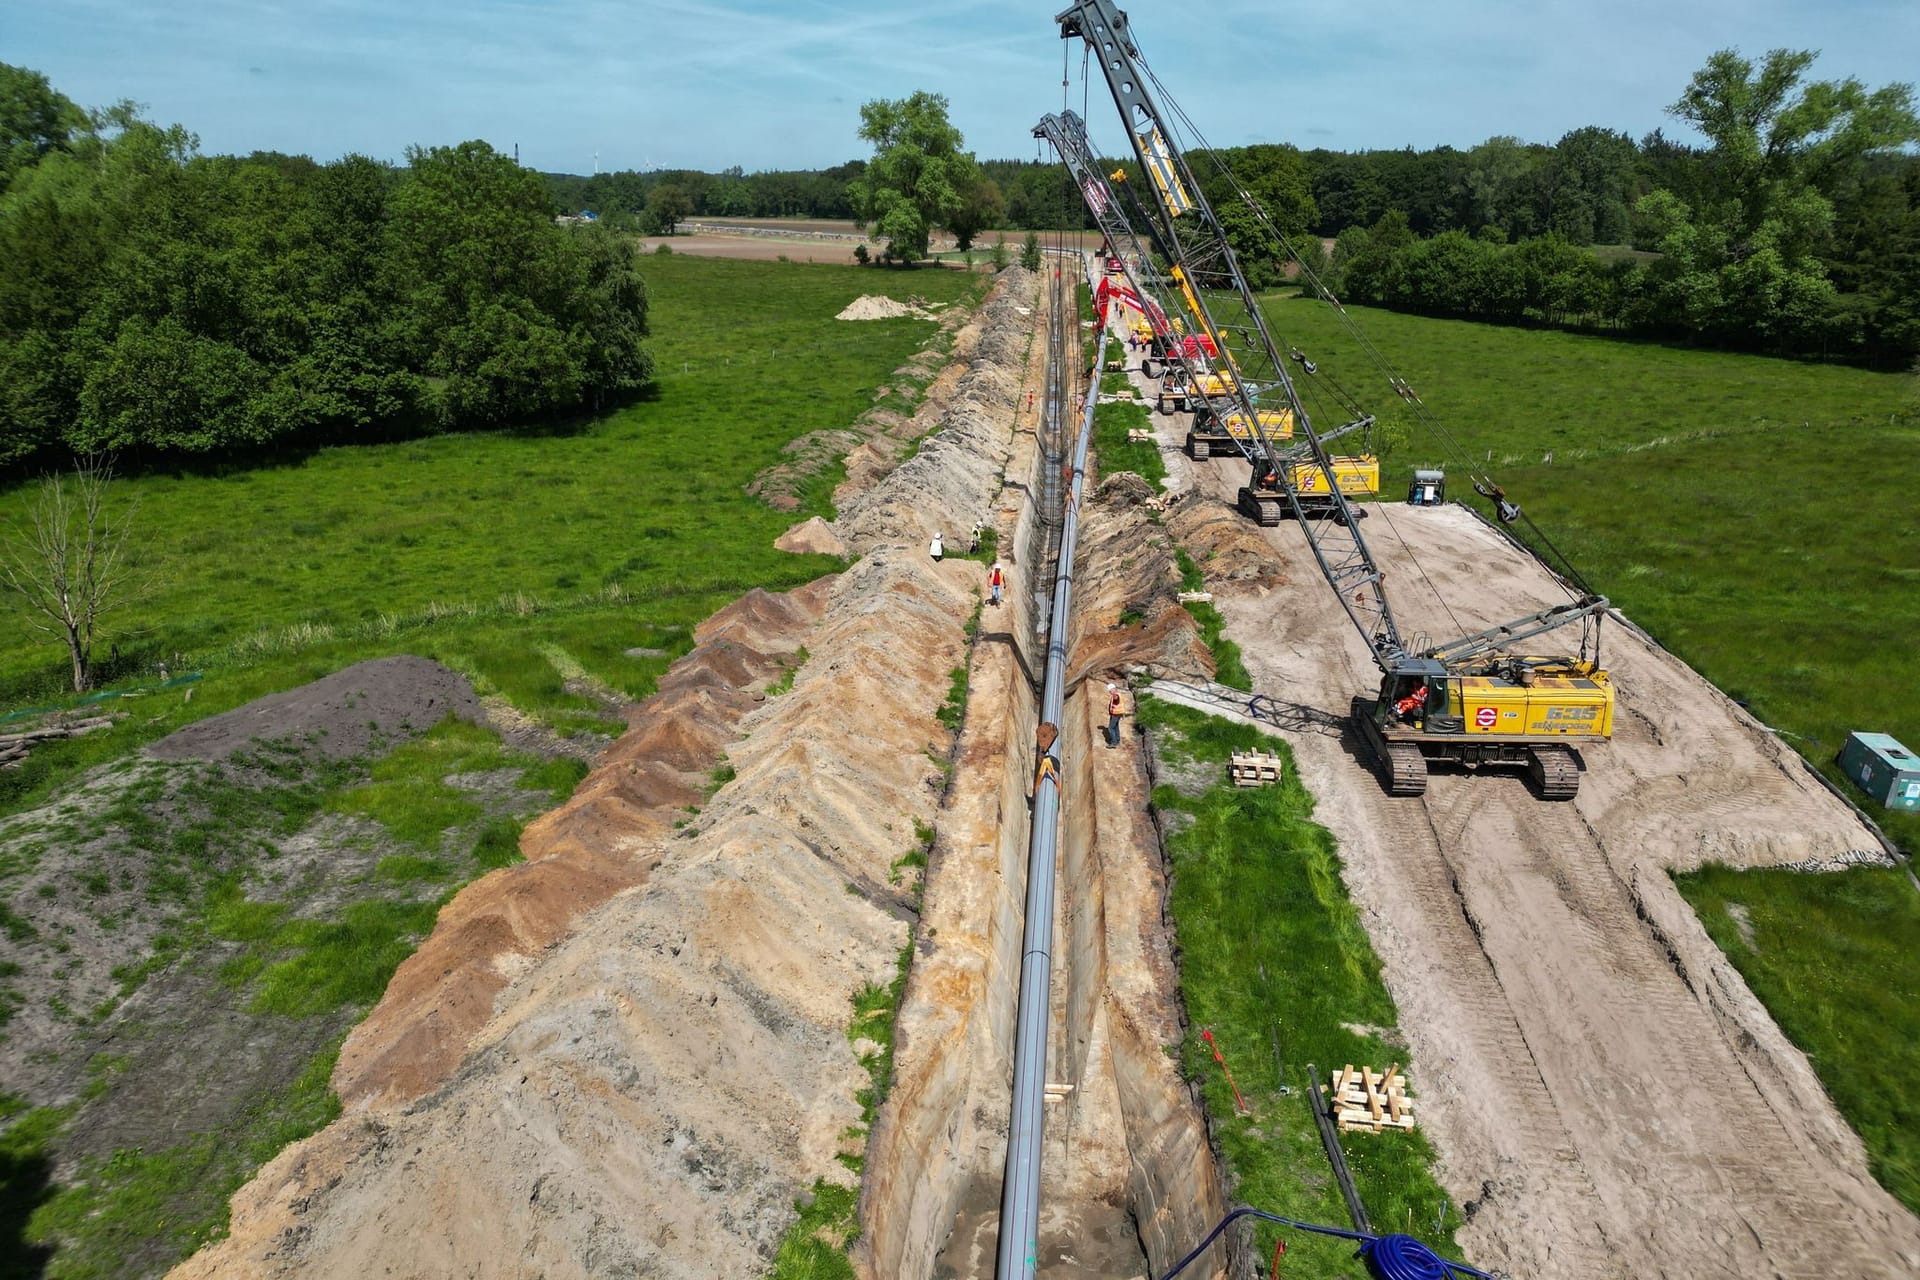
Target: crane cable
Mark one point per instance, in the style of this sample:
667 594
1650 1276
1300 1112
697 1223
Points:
1317 386
1483 483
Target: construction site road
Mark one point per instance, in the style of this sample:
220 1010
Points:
1606 1095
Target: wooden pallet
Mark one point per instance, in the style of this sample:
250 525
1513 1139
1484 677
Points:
1254 769
1363 1099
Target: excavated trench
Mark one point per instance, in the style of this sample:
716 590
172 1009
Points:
635 1053
1129 1183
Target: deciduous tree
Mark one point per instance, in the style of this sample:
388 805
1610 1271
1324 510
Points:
34 119
67 569
918 178
668 205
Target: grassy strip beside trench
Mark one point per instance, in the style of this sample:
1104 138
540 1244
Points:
1276 964
1831 956
1228 666
1111 422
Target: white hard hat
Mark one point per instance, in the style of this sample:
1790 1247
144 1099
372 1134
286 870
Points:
1112 687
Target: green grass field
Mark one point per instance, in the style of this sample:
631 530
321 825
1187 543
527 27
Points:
1275 962
511 555
1832 957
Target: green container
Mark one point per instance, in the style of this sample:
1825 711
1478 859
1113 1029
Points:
1883 769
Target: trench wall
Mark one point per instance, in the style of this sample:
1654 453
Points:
953 1042
1130 1134
1138 1128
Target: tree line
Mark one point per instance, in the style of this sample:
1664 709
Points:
156 302
1795 229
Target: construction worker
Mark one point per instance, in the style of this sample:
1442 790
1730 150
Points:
1409 707
935 548
995 581
1116 707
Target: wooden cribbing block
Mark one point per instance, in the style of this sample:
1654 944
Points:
1363 1099
1258 769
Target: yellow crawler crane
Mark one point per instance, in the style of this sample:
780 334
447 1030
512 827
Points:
1479 700
1497 710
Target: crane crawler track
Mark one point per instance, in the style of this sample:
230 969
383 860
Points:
1264 510
1554 772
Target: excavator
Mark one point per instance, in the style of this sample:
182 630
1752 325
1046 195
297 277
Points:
1478 700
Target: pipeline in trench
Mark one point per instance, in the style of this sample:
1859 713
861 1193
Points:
1111 1137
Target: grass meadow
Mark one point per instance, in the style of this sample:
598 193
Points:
515 557
1832 957
1275 962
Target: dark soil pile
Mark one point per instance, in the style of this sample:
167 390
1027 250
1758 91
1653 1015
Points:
339 716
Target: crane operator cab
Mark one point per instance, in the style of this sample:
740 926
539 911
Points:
1429 489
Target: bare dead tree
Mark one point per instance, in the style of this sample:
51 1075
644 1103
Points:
66 570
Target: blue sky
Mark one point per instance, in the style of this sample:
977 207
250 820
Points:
712 83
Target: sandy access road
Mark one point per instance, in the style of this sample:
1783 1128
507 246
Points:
1607 1097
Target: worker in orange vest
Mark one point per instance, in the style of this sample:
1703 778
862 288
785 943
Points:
1116 707
1409 707
996 581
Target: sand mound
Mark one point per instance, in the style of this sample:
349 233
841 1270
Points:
874 306
341 716
764 621
813 536
597 844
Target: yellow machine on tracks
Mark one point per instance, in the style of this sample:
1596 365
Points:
1479 700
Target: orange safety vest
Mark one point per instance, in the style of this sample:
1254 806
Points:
1114 705
993 579
1418 698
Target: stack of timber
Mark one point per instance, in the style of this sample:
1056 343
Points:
1255 769
1363 1099
14 746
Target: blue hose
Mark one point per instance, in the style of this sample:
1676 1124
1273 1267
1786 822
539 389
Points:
1391 1257
1404 1258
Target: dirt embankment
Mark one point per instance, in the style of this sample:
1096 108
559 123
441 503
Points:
1128 1170
649 1086
599 843
1607 1097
